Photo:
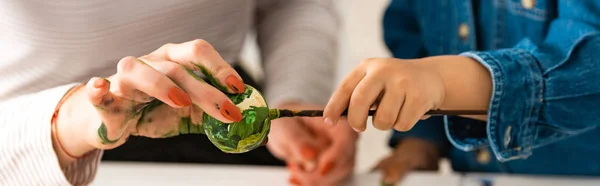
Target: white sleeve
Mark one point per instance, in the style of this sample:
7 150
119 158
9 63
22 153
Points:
26 153
298 40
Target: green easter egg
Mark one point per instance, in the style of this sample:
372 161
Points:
245 135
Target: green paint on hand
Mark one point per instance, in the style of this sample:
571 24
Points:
171 134
215 83
103 134
149 108
191 73
184 125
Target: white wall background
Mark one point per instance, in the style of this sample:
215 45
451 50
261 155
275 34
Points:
360 38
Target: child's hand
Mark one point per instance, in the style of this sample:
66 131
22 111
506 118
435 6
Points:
410 154
402 90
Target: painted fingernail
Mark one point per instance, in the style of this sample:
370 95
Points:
308 152
230 111
179 97
99 83
235 84
326 168
294 181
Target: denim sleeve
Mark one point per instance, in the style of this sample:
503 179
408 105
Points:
546 91
401 30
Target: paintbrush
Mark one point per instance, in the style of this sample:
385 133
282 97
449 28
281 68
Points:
281 113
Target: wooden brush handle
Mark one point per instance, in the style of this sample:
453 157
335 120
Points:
319 113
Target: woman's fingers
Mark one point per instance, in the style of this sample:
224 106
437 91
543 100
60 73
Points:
98 89
134 74
394 173
363 96
212 101
113 115
294 142
200 55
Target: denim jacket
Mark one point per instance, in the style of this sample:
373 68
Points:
544 60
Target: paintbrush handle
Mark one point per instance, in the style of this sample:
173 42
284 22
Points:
319 113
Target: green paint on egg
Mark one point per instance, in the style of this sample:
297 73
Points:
247 134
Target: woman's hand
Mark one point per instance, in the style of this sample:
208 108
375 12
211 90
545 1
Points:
402 90
157 95
315 153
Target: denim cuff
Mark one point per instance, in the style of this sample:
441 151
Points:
431 129
466 134
515 103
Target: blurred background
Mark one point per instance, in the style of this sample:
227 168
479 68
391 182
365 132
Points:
360 38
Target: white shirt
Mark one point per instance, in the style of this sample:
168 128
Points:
47 47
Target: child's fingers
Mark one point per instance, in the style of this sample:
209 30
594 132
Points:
412 110
363 96
340 99
389 108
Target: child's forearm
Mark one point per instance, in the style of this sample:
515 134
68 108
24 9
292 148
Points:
468 84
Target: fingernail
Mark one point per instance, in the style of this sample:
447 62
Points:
230 111
326 168
179 97
235 84
310 166
356 130
308 152
99 83
328 121
294 181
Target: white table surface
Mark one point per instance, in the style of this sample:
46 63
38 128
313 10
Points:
150 174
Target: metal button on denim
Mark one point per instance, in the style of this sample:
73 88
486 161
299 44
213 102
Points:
528 4
483 156
507 136
463 31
